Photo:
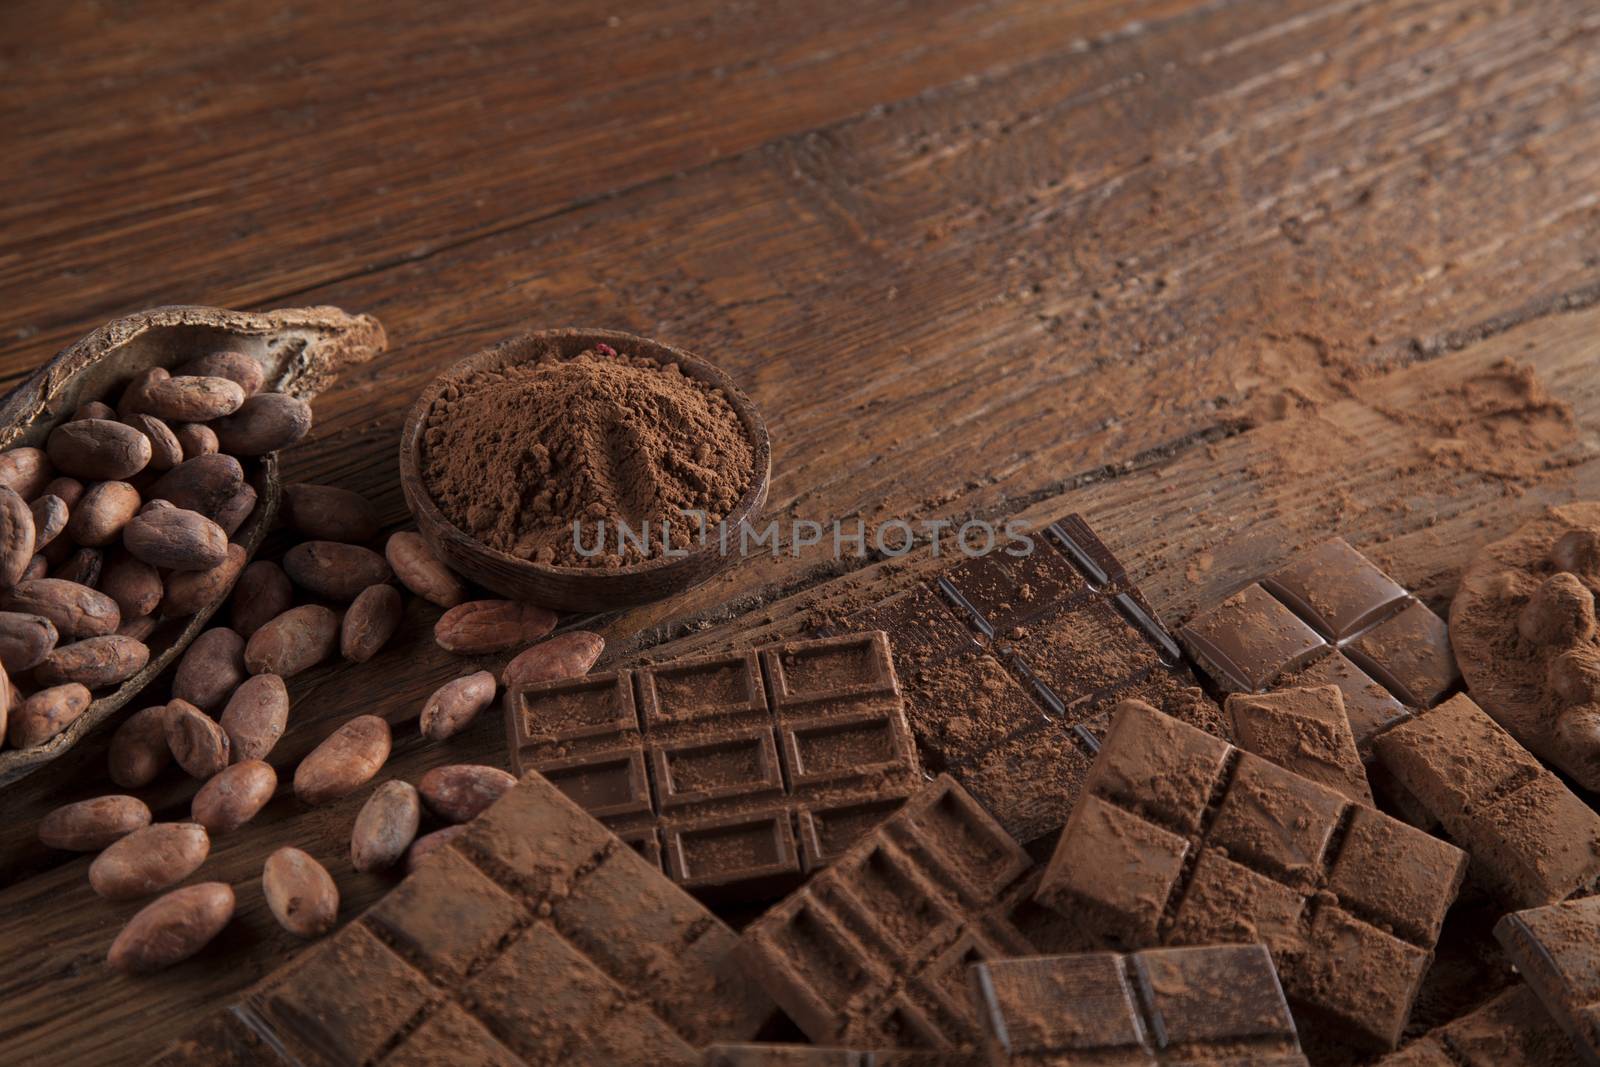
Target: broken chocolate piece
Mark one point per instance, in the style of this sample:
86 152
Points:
873 951
1304 730
1181 839
1557 949
533 937
740 773
1216 1004
1511 1030
1010 664
1532 840
1330 617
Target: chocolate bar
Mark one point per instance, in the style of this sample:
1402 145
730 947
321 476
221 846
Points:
813 1056
1532 840
1557 949
1216 1004
1330 617
873 951
737 774
1305 731
1011 662
534 937
1511 1030
1181 839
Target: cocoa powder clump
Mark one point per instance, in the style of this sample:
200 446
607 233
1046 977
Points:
515 456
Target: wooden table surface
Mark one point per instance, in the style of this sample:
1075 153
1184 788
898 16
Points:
1227 277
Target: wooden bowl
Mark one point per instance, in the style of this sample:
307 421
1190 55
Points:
579 588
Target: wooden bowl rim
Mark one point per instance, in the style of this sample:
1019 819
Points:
513 350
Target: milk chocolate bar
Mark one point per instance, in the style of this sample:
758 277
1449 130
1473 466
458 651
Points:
1215 1004
873 951
1557 949
1330 617
1181 839
1011 662
1532 840
1511 1030
1304 730
535 937
814 1056
737 774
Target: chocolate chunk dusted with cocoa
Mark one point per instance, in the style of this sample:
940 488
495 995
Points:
1557 949
1181 839
1532 840
1011 662
1511 1030
1216 1004
1523 626
738 773
1330 617
873 951
1305 730
533 937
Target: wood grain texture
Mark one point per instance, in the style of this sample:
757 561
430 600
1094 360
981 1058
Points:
1227 278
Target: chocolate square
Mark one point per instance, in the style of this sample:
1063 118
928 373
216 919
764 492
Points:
845 667
706 687
1059 1004
1118 865
1216 994
1336 589
1557 948
1304 730
1275 820
450 1035
1249 639
1355 975
1397 874
448 914
1228 903
1511 1030
1011 591
1170 772
1369 707
1410 654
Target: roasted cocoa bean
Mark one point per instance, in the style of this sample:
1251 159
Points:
205 484
385 826
192 398
248 374
149 859
428 844
98 450
371 620
83 567
568 655
328 513
211 668
262 593
189 591
50 514
25 640
172 928
198 743
76 610
266 422
166 451
197 439
420 571
455 704
96 662
234 796
133 584
139 749
256 716
459 792
300 893
173 538
16 537
233 514
26 471
333 570
344 762
479 627
91 825
300 638
103 513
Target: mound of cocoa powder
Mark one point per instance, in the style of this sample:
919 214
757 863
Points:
516 456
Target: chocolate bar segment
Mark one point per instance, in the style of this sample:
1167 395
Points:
1511 1030
1011 663
1557 949
1181 839
535 937
738 773
1330 617
872 952
1215 1004
1532 840
1305 730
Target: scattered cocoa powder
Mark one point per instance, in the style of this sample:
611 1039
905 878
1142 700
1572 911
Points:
515 456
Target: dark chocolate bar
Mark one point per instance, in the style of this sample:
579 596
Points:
535 937
1181 839
1511 1030
1532 840
1330 617
815 1056
873 951
1305 731
1217 1004
1010 663
737 774
1557 949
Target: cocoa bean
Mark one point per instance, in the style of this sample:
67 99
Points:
166 451
568 655
455 704
234 796
139 749
248 374
96 662
479 627
459 792
149 859
69 490
38 567
93 409
50 514
139 628
98 450
133 397
266 422
300 893
205 484
25 639
231 515
16 537
91 825
191 398
25 471
211 669
172 928
344 762
385 826
300 638
201 747
83 567
197 439
420 571
76 610
189 591
133 584
173 538
328 513
256 716
333 570
428 844
103 513
262 593
372 619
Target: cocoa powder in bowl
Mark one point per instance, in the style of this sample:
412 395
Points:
515 455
